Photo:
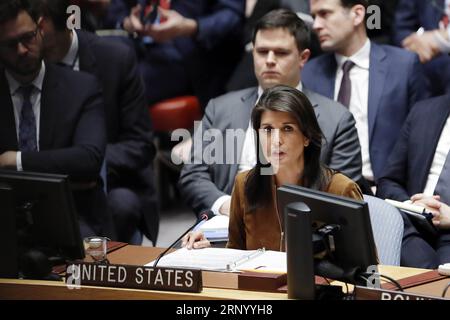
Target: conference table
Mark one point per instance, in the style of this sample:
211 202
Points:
216 285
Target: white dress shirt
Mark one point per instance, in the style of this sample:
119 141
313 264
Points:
17 101
359 100
442 149
248 155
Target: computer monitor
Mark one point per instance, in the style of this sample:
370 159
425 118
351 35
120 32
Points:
42 211
338 227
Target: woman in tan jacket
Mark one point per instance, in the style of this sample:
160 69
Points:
288 144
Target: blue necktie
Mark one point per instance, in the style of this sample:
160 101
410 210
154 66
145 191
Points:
27 126
443 184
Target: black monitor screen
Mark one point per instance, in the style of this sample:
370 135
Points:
44 213
352 244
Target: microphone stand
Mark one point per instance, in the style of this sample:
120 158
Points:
203 217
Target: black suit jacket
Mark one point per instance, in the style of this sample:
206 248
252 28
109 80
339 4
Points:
409 164
130 151
72 133
72 137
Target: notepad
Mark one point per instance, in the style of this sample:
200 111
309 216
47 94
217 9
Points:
222 259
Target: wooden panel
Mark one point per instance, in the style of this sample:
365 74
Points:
48 290
434 288
135 255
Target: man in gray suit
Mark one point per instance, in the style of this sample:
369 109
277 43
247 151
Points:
280 51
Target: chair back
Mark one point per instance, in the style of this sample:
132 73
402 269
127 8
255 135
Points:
387 228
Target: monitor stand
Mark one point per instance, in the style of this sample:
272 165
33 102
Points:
301 265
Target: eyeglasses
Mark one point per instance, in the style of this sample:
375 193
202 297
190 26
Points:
26 39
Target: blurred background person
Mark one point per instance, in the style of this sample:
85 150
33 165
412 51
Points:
131 195
92 13
189 49
422 26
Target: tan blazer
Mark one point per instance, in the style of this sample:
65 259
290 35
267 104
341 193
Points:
262 227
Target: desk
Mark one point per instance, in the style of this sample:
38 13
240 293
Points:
132 255
136 255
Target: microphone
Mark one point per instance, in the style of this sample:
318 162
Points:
203 216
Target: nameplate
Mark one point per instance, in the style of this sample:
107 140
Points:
134 277
363 293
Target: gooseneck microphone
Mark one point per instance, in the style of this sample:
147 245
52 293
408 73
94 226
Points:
203 216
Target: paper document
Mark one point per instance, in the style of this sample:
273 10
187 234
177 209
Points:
215 223
215 229
222 259
270 261
406 206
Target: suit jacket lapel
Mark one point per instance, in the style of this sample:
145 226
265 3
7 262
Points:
49 107
329 74
309 94
241 120
377 78
8 136
431 134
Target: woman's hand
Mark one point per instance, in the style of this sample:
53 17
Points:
195 240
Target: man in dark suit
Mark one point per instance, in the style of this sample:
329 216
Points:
422 26
416 170
130 151
280 51
378 83
51 119
191 51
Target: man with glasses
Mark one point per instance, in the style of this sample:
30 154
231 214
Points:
51 118
26 39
